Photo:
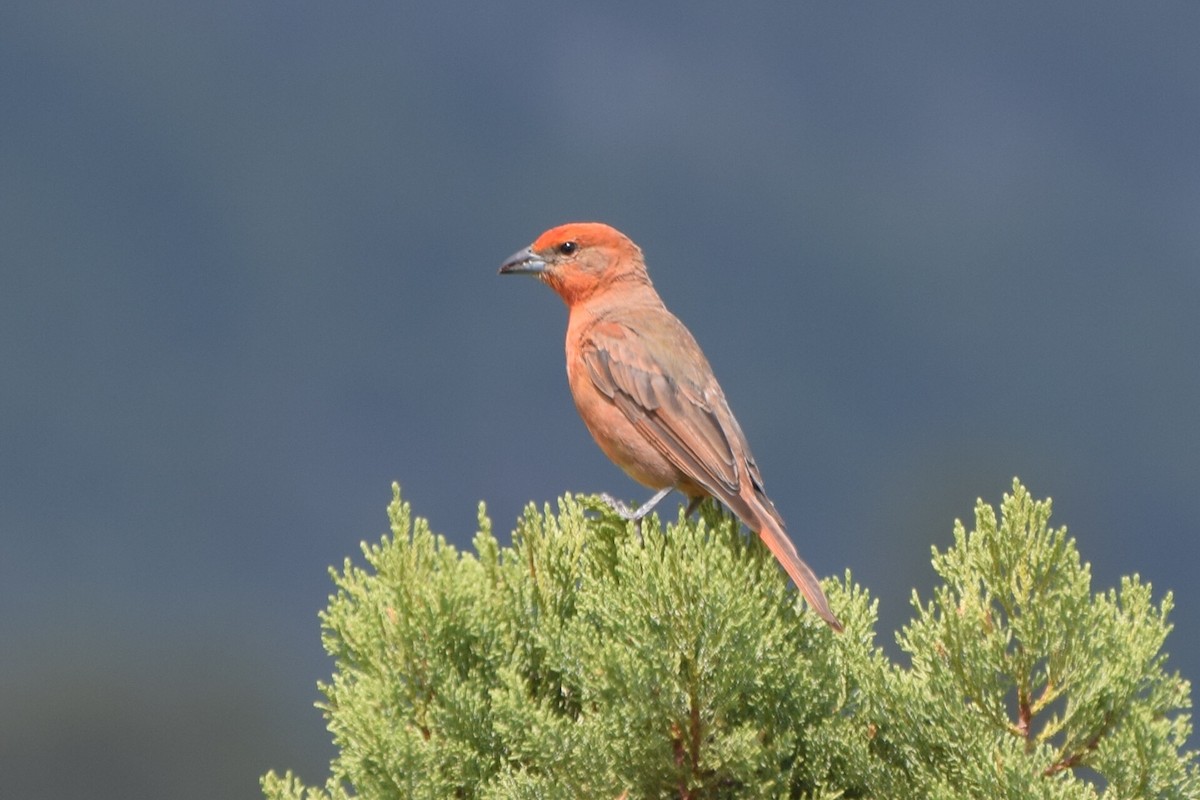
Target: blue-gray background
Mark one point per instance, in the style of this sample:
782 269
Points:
247 279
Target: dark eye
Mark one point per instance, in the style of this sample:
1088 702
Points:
567 248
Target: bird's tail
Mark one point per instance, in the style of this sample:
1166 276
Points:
771 531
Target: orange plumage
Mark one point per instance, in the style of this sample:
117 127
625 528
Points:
645 390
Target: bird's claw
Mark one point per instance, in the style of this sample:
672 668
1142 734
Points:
623 511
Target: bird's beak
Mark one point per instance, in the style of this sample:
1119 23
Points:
523 262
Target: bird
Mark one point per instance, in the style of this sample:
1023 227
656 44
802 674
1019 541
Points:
646 392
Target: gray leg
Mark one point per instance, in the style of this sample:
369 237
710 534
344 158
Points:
636 514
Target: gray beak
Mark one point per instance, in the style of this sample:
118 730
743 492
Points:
523 262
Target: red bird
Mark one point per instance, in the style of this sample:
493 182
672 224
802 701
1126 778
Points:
645 389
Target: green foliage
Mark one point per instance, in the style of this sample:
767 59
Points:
586 661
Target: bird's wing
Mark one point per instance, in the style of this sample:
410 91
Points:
662 383
657 376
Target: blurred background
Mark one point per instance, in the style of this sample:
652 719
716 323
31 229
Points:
248 260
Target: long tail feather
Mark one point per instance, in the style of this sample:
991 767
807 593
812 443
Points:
776 539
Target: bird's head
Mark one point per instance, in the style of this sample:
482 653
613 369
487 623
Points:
580 259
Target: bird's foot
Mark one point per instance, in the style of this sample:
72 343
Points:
622 510
634 514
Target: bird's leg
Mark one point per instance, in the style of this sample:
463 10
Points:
693 504
636 514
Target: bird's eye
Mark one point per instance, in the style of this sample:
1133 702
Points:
567 248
